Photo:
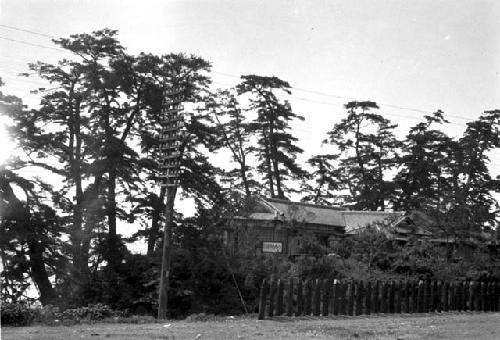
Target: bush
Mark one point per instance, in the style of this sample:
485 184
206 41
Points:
20 314
91 313
16 314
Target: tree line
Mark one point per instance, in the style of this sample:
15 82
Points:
91 135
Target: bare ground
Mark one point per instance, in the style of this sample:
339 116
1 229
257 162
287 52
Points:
400 327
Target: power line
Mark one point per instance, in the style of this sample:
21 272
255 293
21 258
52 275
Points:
385 113
27 31
35 45
347 98
239 77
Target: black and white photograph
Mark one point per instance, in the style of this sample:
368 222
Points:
249 169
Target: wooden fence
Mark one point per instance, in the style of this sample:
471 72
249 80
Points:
333 297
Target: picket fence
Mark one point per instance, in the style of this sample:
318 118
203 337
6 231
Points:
334 297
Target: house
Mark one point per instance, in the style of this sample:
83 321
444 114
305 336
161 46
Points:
271 225
425 227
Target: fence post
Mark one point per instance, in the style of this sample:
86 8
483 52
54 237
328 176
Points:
308 299
336 298
425 296
446 287
483 296
497 296
472 296
497 305
456 294
300 299
490 296
383 297
317 298
343 299
359 297
439 289
407 296
493 296
375 295
289 305
369 298
485 305
350 298
420 297
262 300
331 299
466 305
414 296
487 297
272 297
432 295
436 296
476 303
326 296
450 296
465 297
279 302
460 304
429 297
390 297
398 297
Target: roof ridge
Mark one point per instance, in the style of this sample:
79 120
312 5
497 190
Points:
371 212
269 205
320 206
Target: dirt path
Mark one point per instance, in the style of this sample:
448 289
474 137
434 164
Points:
435 326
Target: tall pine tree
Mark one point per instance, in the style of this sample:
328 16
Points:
368 149
276 146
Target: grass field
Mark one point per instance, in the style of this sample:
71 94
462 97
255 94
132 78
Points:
424 326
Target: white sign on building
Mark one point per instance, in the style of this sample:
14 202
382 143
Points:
272 247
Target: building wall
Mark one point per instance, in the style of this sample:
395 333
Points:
247 236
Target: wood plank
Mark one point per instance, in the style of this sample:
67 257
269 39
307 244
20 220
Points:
279 298
317 298
263 299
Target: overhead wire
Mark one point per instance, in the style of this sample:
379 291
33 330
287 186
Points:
27 31
239 77
349 98
35 45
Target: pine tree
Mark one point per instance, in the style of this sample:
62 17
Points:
235 134
422 180
368 149
276 148
326 180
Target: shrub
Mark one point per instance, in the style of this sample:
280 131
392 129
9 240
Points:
90 313
16 314
20 314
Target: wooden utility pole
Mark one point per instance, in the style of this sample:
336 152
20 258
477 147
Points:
169 156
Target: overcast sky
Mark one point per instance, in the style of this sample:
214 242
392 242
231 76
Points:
408 56
423 55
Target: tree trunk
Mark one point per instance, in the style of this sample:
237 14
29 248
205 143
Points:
113 247
274 159
155 223
39 274
268 163
244 179
80 259
35 247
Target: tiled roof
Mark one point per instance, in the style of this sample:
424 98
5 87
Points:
319 214
359 219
